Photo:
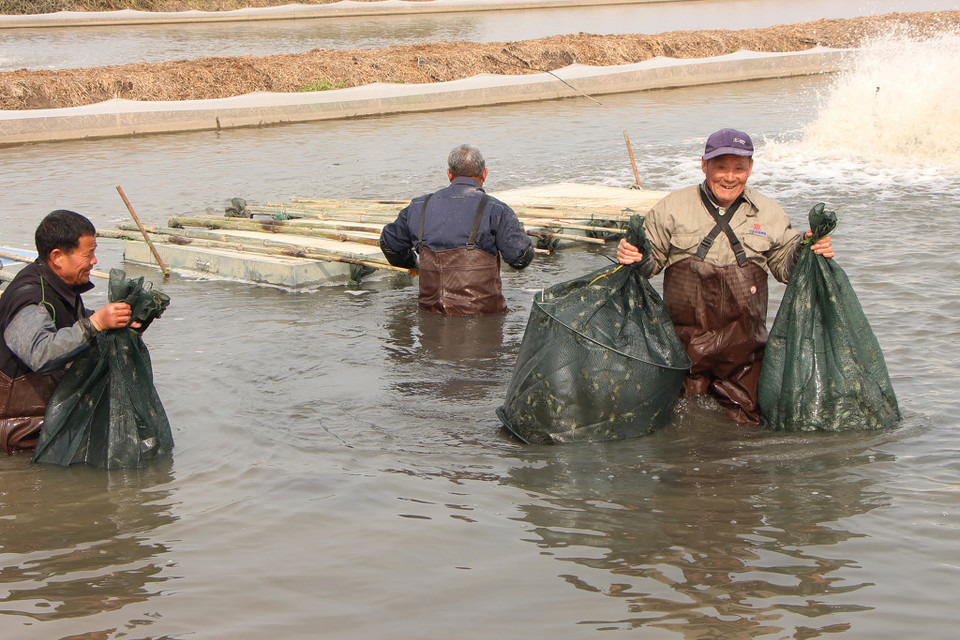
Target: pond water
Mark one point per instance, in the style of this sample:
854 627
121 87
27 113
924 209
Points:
53 48
339 470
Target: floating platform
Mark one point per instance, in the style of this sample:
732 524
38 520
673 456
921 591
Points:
312 242
285 265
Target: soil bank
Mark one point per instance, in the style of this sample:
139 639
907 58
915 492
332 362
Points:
221 77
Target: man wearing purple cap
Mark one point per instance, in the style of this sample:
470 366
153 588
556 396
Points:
716 241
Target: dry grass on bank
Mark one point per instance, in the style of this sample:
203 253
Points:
34 7
205 78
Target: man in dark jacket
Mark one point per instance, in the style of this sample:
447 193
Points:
459 234
44 325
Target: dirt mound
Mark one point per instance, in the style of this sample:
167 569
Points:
204 78
33 7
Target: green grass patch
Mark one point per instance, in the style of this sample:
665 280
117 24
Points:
324 85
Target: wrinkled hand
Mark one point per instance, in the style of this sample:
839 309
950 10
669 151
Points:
112 316
627 253
823 246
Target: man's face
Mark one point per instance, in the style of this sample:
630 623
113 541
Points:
74 267
727 176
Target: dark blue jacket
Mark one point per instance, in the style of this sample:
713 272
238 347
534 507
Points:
450 215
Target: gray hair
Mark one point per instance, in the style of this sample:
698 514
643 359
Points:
466 160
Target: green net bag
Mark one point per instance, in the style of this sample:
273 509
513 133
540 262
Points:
823 369
599 360
106 412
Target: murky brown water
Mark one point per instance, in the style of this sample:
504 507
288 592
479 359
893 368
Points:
339 470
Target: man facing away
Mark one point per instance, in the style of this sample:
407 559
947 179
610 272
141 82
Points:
716 241
459 234
44 325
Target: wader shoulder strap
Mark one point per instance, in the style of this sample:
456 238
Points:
423 216
722 224
472 240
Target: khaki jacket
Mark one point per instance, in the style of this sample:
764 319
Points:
678 223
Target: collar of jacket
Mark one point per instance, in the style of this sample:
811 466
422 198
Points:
747 196
464 181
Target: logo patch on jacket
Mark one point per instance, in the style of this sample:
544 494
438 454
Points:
757 230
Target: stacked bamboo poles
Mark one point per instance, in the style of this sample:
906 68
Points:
542 221
295 227
353 221
305 225
570 212
212 240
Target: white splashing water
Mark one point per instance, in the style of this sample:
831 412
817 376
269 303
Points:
896 109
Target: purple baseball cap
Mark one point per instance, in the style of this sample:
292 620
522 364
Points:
728 141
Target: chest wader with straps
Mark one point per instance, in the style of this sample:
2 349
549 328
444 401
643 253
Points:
460 282
720 314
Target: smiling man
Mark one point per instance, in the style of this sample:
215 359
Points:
44 324
716 241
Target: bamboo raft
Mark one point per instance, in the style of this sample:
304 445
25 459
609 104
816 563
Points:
309 242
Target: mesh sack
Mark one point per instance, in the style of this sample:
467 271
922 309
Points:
599 360
106 412
823 369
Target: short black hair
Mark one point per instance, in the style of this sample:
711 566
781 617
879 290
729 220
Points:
61 229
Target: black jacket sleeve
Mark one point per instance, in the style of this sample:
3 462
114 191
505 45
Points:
406 259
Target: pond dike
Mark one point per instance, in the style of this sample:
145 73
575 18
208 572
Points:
117 117
342 9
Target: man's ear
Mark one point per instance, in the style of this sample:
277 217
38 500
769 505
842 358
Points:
55 257
450 175
56 260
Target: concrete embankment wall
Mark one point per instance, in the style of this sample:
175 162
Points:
125 117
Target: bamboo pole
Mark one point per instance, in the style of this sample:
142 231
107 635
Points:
356 226
633 161
341 225
345 215
361 208
374 205
19 258
563 224
136 218
274 226
184 237
285 226
566 236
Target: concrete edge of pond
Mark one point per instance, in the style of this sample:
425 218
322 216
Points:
342 9
115 118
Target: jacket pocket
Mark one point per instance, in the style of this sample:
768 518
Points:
685 243
756 245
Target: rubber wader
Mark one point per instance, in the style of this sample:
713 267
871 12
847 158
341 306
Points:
460 282
23 403
720 315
